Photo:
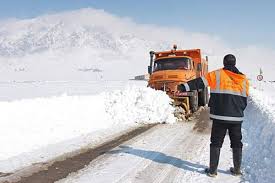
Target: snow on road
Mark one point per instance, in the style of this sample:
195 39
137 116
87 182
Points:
36 130
151 157
166 153
174 153
54 125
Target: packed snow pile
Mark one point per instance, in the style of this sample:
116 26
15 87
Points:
259 133
140 105
30 124
263 94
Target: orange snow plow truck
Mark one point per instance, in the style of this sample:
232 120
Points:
168 69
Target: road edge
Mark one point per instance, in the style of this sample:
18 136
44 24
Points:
57 166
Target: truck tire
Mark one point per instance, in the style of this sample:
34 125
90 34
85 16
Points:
203 97
194 102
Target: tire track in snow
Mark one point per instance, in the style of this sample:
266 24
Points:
168 153
172 174
143 169
116 161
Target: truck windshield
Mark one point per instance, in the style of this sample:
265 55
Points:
183 63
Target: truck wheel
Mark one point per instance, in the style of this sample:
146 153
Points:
203 97
194 102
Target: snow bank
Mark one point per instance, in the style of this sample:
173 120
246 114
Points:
259 133
27 125
139 105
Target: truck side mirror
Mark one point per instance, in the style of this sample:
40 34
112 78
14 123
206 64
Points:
149 70
199 67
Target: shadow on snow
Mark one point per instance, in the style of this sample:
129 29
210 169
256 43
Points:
162 158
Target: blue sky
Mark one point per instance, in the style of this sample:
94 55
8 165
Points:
238 22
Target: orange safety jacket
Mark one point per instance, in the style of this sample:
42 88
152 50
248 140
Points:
228 94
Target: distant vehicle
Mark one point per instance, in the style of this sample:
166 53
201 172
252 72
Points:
90 69
168 69
142 77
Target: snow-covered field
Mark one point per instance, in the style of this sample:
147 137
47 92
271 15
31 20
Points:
17 90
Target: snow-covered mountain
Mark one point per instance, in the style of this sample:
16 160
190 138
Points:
72 45
68 43
63 32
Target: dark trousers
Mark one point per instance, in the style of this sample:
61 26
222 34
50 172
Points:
219 131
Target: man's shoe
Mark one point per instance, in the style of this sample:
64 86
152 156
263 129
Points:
237 161
235 172
214 161
209 173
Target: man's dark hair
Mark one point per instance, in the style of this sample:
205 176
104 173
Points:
229 60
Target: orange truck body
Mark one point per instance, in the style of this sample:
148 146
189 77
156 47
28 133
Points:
166 74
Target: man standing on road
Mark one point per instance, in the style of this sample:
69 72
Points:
228 100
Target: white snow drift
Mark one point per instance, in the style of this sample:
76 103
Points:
259 135
28 125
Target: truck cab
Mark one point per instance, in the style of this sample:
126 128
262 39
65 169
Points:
168 69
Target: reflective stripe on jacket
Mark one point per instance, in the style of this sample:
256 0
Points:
228 96
227 82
